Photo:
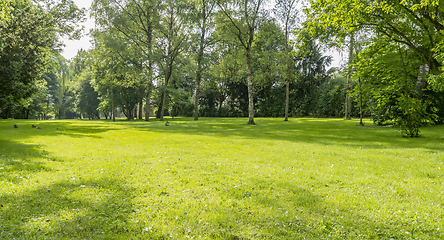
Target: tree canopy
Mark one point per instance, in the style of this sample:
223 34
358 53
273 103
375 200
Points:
241 58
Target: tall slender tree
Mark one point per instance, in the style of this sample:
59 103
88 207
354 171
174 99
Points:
244 17
349 76
205 15
174 26
286 13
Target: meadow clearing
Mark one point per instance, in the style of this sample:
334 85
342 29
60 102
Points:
219 178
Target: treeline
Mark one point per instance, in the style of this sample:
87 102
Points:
239 58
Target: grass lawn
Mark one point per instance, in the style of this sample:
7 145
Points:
219 178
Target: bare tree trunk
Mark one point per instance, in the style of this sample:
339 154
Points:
349 76
112 105
162 108
196 97
148 100
360 103
250 89
150 70
167 76
198 79
287 92
111 87
199 62
421 83
140 109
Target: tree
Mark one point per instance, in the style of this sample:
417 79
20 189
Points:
270 67
205 16
103 60
311 74
88 103
137 21
411 23
286 13
28 35
64 94
390 87
243 16
414 26
173 29
349 76
26 47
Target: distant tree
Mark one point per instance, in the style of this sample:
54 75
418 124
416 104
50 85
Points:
311 74
88 102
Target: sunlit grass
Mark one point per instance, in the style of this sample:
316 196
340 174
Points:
219 179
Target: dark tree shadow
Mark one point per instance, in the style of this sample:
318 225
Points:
85 209
302 130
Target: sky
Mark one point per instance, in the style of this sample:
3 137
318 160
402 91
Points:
72 46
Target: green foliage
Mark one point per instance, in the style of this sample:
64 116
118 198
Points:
413 115
219 178
437 79
26 43
29 34
5 10
390 80
65 17
394 28
88 104
332 97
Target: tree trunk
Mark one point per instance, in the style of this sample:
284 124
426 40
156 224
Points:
287 92
287 100
148 100
111 87
199 65
140 109
8 112
150 70
167 77
360 103
162 108
347 94
421 83
250 88
196 96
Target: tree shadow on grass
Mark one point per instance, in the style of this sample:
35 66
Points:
74 128
302 130
297 213
17 158
71 209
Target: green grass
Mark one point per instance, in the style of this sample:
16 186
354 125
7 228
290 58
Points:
219 179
